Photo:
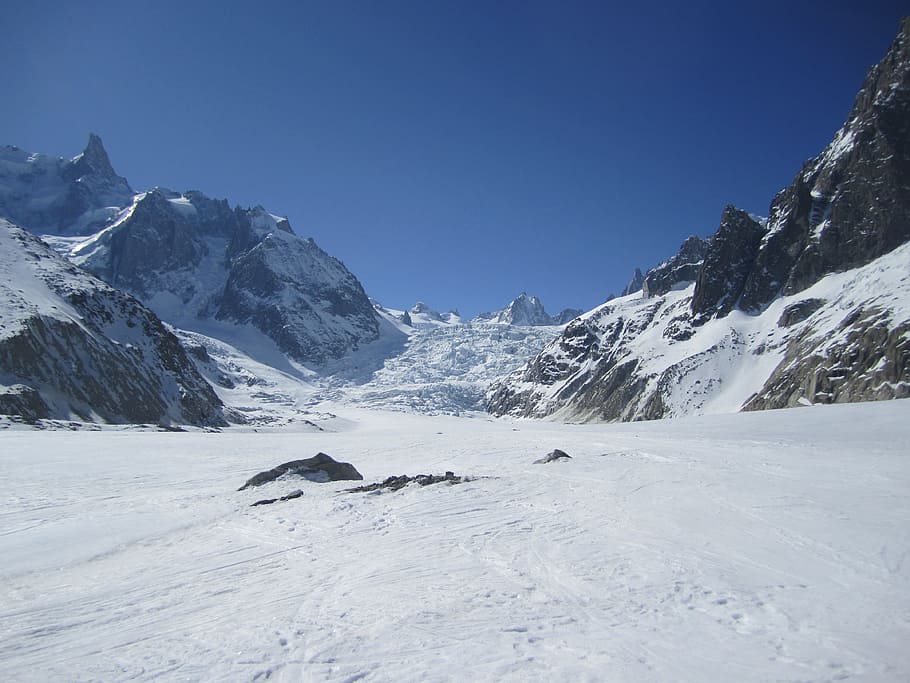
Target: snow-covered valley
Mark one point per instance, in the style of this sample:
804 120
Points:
757 546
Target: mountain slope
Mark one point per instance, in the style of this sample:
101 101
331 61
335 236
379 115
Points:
812 306
526 310
61 196
190 258
72 347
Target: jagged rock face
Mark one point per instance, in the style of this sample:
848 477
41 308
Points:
566 315
73 347
678 270
851 204
825 283
843 339
528 311
635 284
727 263
61 196
301 297
524 310
190 258
869 359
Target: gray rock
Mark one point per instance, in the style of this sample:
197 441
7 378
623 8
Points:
851 204
24 401
116 363
845 208
679 270
635 284
268 501
49 195
320 467
727 264
552 456
399 482
870 361
798 312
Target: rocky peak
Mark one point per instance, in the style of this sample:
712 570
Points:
50 195
851 204
525 310
727 263
93 160
635 284
675 271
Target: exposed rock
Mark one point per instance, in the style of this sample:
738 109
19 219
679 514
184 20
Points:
320 468
851 204
677 271
800 311
566 315
189 257
635 284
868 360
49 195
301 297
24 401
727 263
89 351
268 501
399 482
679 352
553 455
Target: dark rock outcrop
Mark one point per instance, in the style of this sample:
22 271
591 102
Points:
268 501
851 204
635 284
679 270
49 195
553 456
680 351
399 482
320 467
799 311
85 350
727 264
870 360
23 401
301 297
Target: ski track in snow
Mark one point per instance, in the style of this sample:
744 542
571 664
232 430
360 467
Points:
749 547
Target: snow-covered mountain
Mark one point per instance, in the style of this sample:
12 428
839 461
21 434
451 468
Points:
61 196
191 259
810 306
74 348
527 310
422 316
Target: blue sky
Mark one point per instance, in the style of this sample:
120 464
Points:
453 152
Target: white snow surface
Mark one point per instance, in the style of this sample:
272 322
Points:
765 546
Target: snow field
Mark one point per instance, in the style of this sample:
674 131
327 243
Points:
749 547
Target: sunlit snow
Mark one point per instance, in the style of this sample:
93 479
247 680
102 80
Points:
749 547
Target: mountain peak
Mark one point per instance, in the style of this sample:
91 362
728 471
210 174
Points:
527 310
94 159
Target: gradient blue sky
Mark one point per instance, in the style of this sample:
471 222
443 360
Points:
453 152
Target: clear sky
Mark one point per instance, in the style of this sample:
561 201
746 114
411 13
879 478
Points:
452 152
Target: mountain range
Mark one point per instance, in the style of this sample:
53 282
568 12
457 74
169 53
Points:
808 305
